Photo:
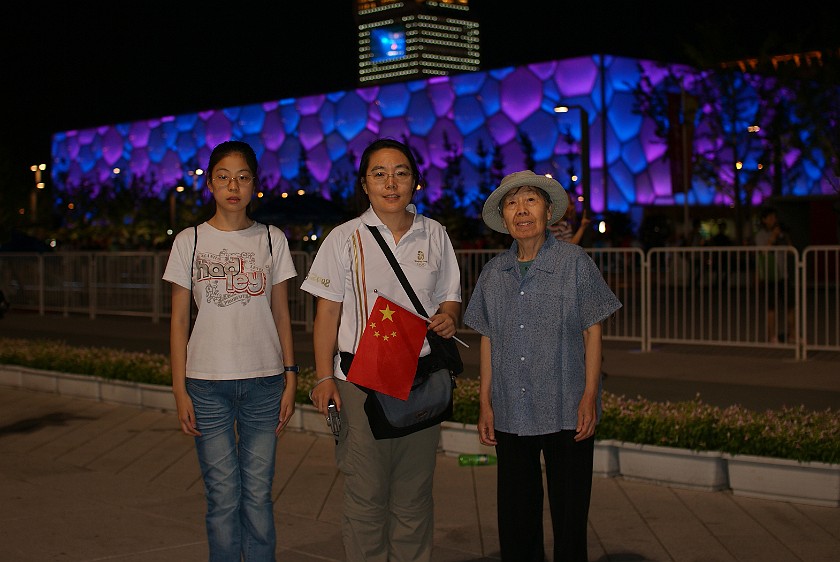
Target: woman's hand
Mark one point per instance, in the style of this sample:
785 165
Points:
287 407
585 427
323 393
486 430
186 414
443 325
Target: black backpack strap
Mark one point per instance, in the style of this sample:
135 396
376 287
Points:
268 232
192 263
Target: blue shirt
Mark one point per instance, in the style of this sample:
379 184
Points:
535 323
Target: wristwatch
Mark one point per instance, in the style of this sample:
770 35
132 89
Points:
291 369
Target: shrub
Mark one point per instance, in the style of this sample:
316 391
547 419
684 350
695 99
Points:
791 433
150 368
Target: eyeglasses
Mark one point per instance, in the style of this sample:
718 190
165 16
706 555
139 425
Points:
223 180
400 176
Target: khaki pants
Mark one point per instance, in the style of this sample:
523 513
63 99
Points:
388 507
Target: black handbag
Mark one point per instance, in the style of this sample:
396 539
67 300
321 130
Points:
430 399
429 402
445 353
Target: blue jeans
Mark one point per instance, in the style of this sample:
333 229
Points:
238 474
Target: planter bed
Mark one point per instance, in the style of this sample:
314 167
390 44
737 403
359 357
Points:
813 483
671 466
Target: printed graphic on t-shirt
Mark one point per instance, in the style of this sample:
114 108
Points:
231 277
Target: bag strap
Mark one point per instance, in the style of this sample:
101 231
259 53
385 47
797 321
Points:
268 233
397 269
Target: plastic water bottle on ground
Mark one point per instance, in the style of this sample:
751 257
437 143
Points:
476 460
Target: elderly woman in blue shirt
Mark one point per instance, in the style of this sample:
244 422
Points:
539 308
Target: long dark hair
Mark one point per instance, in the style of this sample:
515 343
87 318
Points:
361 199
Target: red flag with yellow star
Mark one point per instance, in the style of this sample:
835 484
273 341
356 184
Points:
386 358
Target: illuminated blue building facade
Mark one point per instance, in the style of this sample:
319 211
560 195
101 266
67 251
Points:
323 136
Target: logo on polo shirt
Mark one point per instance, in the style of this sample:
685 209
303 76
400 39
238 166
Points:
318 279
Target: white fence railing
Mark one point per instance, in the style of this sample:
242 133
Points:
725 296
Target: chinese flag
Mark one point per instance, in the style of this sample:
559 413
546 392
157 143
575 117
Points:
386 358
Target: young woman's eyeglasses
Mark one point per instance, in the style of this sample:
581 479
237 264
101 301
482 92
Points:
223 180
400 176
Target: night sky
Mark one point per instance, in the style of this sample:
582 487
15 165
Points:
83 64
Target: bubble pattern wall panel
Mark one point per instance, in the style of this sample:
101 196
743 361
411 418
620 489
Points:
323 136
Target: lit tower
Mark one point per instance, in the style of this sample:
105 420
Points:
415 39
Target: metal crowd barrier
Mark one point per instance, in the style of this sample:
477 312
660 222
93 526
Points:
723 296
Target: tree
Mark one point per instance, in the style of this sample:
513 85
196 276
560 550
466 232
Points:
817 83
448 209
528 150
743 125
485 180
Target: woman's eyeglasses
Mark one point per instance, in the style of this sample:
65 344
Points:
223 180
400 176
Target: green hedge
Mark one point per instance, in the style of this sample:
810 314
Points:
791 433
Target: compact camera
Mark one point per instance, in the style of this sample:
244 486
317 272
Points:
333 419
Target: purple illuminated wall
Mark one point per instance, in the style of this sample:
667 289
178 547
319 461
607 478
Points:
333 129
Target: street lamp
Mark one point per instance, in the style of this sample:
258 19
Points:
584 151
194 174
39 184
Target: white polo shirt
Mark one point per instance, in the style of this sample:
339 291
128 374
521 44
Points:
350 266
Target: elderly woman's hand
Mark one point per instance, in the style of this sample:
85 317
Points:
587 417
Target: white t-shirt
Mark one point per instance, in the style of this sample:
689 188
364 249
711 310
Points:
350 265
234 335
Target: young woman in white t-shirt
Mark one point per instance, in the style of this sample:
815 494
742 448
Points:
234 377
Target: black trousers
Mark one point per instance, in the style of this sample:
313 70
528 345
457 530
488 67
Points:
568 471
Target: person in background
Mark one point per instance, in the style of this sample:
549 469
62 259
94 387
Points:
720 238
234 377
695 237
775 284
539 308
565 230
388 509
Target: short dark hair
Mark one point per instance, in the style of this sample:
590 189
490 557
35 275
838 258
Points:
380 144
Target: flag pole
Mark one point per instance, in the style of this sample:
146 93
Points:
395 301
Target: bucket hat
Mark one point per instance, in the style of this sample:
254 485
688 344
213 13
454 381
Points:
491 213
